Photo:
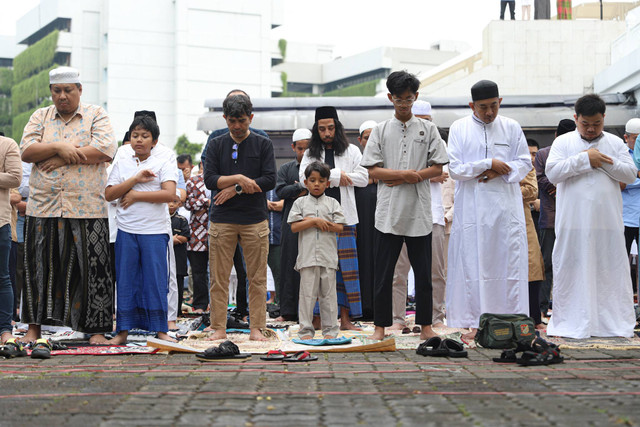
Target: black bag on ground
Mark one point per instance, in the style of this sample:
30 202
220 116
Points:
501 331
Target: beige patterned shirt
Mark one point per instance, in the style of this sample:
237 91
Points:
70 191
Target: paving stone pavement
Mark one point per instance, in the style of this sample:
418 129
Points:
380 389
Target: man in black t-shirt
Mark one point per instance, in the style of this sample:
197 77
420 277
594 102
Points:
240 168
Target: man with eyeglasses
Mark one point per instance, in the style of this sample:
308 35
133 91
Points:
240 167
488 253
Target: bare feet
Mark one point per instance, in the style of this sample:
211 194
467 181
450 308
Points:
396 327
438 325
119 339
171 324
218 335
98 339
279 319
378 333
306 337
256 335
207 329
32 334
166 337
541 326
6 336
427 332
469 336
198 311
345 321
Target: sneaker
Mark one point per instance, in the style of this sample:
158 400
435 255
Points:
41 349
12 348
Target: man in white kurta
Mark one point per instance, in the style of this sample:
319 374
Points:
488 259
592 293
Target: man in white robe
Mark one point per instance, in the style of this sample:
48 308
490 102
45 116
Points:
592 294
488 258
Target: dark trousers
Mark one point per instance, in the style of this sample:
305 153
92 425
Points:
631 234
547 240
512 9
13 275
180 280
199 262
290 278
534 303
274 264
241 291
387 250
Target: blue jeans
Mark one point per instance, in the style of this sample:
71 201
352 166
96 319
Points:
6 290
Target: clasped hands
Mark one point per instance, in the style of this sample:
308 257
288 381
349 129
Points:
498 167
67 154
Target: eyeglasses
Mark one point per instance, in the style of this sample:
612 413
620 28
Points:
234 154
403 101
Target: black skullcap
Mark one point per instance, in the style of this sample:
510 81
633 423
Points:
151 114
326 113
484 89
565 126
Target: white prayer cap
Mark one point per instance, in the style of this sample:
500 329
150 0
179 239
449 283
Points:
369 124
421 108
633 126
301 134
64 75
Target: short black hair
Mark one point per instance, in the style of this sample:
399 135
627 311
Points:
146 123
399 82
590 105
237 106
321 168
184 158
532 143
238 90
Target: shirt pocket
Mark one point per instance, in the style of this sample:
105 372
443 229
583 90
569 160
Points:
502 151
253 167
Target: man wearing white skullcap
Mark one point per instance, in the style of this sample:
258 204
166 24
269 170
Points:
288 188
69 281
631 197
422 109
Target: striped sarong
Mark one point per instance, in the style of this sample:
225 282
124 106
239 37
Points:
67 274
564 9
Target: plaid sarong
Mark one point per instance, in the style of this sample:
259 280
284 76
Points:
347 276
564 9
67 274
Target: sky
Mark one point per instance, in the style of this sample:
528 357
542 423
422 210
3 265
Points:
353 26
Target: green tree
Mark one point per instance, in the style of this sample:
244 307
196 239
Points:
282 45
184 146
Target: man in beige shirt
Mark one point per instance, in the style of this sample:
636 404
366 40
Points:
68 280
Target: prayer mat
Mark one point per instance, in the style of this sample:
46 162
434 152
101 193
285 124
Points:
608 343
324 341
103 350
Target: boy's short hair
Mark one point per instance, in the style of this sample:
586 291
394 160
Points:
321 168
147 123
237 106
399 82
590 105
184 158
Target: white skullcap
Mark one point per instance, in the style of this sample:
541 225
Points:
633 126
369 124
64 75
301 134
421 108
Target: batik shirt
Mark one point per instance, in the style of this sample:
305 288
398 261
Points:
70 191
198 222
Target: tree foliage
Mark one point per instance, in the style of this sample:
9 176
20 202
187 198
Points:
36 57
282 45
32 91
184 146
21 120
6 81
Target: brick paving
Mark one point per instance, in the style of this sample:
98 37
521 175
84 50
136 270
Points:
382 389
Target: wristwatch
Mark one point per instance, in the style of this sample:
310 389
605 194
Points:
238 189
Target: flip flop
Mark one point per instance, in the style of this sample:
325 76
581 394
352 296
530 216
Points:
406 330
453 348
432 347
416 329
301 356
225 351
274 355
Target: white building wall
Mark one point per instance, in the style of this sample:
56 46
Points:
539 57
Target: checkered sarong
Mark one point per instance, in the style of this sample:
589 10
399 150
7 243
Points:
564 9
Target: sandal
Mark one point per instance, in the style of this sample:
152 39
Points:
225 351
432 347
453 348
301 356
274 355
12 348
507 356
41 349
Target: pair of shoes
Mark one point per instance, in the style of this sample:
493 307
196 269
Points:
233 323
274 355
541 353
438 347
225 351
41 349
12 348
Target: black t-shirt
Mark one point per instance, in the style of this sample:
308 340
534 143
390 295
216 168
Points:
255 160
329 158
